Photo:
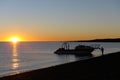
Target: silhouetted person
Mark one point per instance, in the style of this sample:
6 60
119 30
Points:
102 49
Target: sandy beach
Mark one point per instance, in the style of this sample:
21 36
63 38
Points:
105 67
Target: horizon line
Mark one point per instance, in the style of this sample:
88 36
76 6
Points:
63 40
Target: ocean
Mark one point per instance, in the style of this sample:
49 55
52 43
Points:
26 56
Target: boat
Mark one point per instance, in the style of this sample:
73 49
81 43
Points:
78 50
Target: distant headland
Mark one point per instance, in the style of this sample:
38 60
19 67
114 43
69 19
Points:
101 40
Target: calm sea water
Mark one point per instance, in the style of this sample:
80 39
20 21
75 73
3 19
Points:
25 56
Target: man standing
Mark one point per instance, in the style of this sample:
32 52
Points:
102 49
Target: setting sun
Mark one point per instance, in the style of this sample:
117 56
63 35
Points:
15 40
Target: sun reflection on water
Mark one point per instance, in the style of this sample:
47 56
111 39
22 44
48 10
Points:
15 59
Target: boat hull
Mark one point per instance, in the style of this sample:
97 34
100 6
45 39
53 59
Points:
75 52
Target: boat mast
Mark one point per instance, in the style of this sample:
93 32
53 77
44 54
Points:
65 45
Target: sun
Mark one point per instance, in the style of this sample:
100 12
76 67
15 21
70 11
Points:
14 39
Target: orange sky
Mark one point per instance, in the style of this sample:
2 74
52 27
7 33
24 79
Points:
59 20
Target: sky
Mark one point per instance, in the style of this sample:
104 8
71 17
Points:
59 20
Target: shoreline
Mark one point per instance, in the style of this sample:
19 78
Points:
97 68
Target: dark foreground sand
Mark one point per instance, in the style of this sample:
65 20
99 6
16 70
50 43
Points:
105 67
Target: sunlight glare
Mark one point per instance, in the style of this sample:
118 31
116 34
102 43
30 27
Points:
15 40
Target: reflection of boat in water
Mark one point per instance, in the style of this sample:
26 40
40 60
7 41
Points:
78 50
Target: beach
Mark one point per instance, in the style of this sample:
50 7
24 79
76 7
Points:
59 39
104 67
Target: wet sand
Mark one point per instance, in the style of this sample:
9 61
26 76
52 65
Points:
106 67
